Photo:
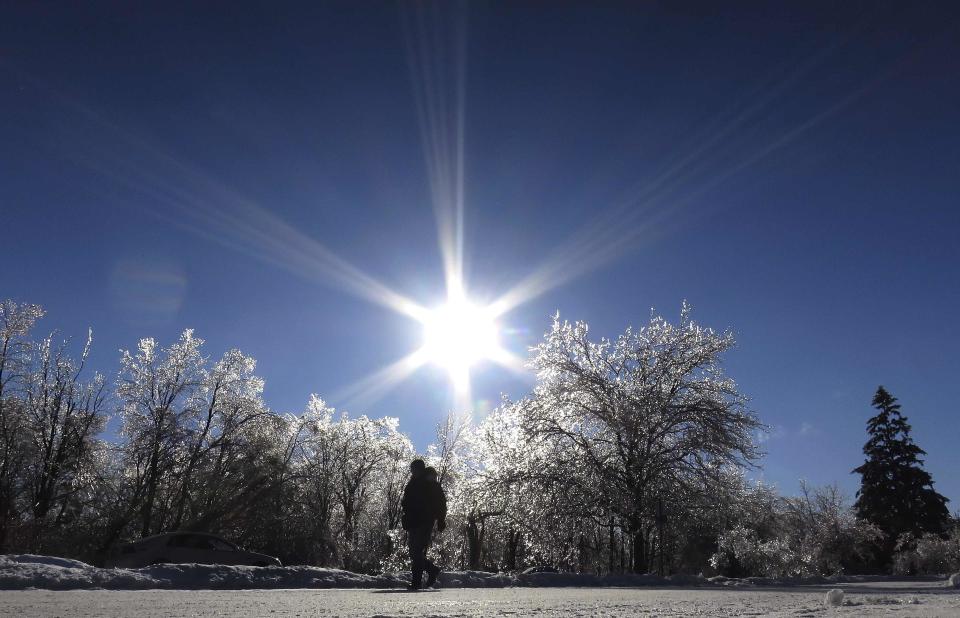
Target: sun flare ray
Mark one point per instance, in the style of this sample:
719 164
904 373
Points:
202 205
435 80
370 389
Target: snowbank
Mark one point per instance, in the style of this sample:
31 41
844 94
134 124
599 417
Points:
19 572
27 571
779 582
622 581
817 580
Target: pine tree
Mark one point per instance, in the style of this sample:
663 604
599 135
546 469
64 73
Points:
896 493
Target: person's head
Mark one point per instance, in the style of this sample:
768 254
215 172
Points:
430 473
417 467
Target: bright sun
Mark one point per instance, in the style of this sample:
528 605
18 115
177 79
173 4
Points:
458 335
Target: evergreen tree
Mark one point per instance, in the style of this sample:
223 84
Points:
896 493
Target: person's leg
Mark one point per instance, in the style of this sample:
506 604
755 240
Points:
433 571
418 540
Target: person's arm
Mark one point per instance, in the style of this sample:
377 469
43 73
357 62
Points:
405 507
441 509
405 500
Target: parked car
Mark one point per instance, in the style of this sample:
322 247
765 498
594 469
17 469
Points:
185 547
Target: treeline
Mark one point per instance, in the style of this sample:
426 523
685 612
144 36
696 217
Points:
628 455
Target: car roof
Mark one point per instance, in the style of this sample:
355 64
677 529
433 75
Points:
166 535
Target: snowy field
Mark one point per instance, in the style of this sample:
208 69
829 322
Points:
875 599
48 586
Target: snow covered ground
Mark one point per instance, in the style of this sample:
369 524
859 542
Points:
860 600
46 586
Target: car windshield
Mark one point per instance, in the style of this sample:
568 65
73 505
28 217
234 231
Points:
221 545
200 541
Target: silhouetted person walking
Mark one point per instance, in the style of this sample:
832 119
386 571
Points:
424 504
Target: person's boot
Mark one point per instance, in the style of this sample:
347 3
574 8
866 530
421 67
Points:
433 571
415 581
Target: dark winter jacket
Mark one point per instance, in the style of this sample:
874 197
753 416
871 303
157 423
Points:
423 503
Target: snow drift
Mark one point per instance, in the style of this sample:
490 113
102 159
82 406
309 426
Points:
20 572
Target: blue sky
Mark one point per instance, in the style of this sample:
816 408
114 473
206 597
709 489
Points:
789 169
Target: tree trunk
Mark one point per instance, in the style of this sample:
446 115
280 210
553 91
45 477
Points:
6 516
612 546
640 558
146 513
623 564
513 543
474 541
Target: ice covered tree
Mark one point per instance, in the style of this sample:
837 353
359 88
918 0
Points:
347 478
50 417
815 533
157 391
454 455
63 417
274 519
16 321
228 456
198 443
629 417
896 493
502 485
359 457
